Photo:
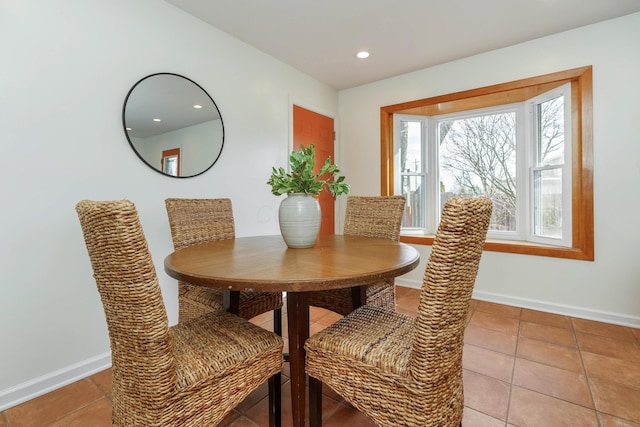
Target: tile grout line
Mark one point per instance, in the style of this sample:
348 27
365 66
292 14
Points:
90 378
86 405
599 413
513 370
586 375
470 315
584 372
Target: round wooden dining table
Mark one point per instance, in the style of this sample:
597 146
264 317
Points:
266 264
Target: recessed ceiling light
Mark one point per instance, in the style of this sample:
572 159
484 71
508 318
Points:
157 120
197 106
362 54
128 128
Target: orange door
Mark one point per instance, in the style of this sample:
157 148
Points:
313 128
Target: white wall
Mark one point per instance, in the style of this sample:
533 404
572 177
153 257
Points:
607 289
66 69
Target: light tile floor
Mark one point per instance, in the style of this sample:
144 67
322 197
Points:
521 368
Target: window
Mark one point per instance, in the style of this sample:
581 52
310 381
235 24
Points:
489 152
171 162
550 194
525 144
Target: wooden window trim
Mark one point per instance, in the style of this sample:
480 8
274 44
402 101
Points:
581 80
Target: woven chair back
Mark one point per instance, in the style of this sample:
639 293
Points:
446 290
194 221
367 216
374 216
142 361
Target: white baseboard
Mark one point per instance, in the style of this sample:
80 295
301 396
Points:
38 386
566 310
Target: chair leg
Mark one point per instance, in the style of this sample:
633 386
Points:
277 327
275 401
277 321
315 402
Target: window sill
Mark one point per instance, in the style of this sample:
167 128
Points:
515 247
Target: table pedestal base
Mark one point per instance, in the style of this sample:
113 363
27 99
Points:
298 318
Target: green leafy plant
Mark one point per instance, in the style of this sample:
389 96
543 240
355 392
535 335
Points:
301 179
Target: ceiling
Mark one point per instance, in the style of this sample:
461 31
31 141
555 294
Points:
165 102
321 37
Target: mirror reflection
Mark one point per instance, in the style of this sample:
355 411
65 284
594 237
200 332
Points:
173 125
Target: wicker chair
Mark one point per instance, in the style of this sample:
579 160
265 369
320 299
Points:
377 216
191 374
401 371
194 221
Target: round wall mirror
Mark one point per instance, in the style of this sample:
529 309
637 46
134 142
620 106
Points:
173 125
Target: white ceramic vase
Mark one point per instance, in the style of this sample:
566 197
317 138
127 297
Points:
299 216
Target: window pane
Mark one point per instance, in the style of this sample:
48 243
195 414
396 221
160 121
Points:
414 214
412 176
548 202
551 132
411 146
477 157
171 165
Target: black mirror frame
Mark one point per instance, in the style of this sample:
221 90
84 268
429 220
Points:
124 125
